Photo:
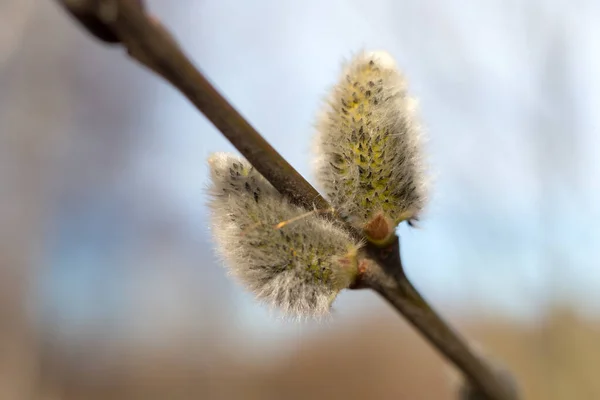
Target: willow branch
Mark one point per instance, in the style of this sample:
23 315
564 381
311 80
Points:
387 277
147 41
126 22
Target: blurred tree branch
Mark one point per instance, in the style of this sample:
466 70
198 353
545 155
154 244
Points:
126 22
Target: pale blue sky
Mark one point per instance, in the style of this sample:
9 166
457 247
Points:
499 83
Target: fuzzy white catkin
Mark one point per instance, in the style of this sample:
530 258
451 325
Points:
368 144
298 268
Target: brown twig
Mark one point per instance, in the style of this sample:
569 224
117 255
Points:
387 277
147 41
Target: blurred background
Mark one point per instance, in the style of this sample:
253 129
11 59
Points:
109 286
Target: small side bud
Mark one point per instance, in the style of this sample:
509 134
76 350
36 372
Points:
298 267
368 148
379 229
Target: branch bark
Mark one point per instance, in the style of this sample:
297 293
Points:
146 40
387 277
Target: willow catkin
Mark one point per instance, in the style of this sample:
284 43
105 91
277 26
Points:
300 267
368 147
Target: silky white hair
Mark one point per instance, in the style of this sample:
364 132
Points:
299 267
369 160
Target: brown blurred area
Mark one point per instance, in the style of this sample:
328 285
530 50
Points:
378 358
46 67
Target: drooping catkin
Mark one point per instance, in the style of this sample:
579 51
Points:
299 267
368 147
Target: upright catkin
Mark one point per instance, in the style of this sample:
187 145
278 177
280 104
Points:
369 161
